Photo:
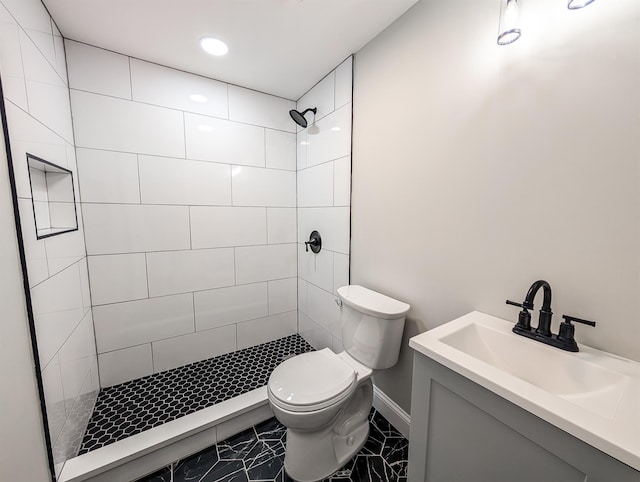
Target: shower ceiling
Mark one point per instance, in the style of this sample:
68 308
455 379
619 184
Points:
281 47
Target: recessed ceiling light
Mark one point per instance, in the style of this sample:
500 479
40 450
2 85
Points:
214 46
198 98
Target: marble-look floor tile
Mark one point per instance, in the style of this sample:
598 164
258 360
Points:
257 454
163 475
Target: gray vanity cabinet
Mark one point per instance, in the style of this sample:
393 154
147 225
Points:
462 432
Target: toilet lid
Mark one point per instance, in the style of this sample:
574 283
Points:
311 378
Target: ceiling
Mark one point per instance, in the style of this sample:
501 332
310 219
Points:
282 47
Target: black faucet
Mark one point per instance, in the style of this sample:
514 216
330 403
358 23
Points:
542 333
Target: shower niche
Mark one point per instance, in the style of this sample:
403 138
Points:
52 196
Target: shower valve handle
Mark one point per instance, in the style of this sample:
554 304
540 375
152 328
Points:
315 241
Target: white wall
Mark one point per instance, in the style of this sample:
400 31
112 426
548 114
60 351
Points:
324 197
189 212
479 169
34 78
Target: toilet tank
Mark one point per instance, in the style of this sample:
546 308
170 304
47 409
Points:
372 326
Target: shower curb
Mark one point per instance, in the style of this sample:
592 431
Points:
143 453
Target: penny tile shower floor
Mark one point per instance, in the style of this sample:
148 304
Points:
258 454
132 407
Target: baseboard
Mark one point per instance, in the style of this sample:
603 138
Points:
146 452
390 410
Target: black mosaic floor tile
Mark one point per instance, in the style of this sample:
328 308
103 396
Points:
257 454
133 407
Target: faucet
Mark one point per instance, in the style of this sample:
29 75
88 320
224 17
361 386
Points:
544 321
542 333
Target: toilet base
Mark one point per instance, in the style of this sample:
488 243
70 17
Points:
313 455
329 452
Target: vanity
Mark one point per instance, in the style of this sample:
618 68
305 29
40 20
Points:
491 406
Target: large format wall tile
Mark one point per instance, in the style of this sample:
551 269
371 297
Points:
322 308
174 272
108 177
76 358
281 225
324 197
124 365
12 71
108 123
263 263
280 150
315 186
35 251
225 306
96 70
216 227
342 181
179 181
322 97
344 83
191 348
66 249
57 310
251 107
47 93
282 295
116 228
119 277
316 268
28 135
158 85
315 335
263 187
136 322
54 397
218 140
266 329
334 139
332 223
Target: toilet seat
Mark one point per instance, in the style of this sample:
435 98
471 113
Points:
311 381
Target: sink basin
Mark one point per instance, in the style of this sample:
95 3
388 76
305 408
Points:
587 384
593 395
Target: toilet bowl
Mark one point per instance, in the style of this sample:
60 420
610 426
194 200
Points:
324 398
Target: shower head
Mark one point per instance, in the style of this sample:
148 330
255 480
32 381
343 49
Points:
298 117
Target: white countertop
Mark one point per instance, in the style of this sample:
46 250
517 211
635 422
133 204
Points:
607 418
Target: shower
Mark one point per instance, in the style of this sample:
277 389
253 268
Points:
299 118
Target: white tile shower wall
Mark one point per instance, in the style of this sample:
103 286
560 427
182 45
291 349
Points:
36 97
189 203
323 200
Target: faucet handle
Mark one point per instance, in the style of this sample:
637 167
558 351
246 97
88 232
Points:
524 318
567 331
569 319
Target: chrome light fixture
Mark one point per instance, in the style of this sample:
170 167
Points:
576 4
509 29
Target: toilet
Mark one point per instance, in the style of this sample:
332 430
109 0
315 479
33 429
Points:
324 398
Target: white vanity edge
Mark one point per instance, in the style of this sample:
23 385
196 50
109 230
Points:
618 437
